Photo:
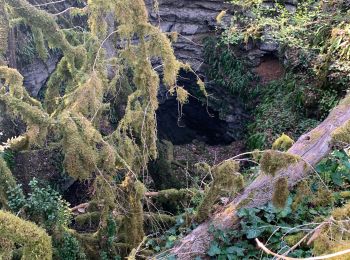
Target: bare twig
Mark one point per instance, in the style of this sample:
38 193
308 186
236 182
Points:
268 251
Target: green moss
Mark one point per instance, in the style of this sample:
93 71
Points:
322 198
227 179
40 43
344 194
280 193
246 201
283 143
273 161
42 20
293 239
158 220
303 191
88 221
176 196
341 135
342 212
7 182
34 240
134 218
321 245
4 30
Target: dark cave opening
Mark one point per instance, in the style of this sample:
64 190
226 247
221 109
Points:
196 122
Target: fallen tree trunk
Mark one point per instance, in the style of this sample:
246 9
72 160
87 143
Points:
311 147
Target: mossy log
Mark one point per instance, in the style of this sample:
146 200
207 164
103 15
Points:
311 147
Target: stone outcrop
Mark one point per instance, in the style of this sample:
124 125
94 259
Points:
37 73
193 20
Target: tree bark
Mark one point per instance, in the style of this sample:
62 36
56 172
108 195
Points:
312 147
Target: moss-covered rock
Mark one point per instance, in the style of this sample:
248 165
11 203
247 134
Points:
34 240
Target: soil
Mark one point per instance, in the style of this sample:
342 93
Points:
269 69
198 151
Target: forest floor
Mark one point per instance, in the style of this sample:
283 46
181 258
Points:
198 151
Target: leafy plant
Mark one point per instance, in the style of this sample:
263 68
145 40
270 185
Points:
335 169
227 70
277 228
68 248
280 110
43 205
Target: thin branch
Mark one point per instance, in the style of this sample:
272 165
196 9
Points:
268 251
64 11
50 3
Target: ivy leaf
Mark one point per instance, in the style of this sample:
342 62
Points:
214 249
339 155
347 164
239 251
337 178
253 233
313 212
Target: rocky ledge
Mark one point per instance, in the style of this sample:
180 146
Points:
193 20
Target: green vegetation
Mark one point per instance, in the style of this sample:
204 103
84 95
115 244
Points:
43 205
281 227
98 111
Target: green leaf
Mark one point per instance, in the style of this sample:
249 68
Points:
214 249
253 233
337 178
239 251
172 238
313 212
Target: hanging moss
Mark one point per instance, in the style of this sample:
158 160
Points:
84 148
37 121
283 143
42 20
181 95
7 182
36 243
134 219
273 161
40 43
280 193
303 191
78 93
227 179
4 30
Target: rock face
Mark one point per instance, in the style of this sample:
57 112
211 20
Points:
9 127
193 20
37 73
